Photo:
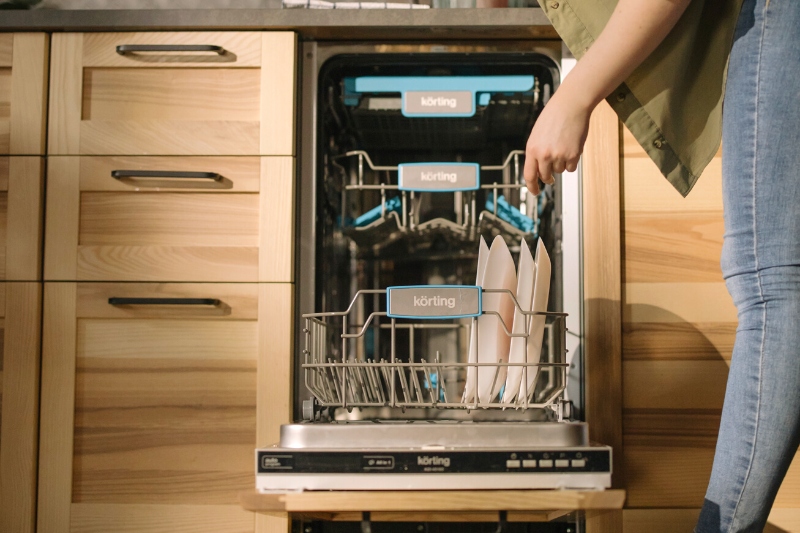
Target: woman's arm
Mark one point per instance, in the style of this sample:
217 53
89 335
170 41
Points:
634 30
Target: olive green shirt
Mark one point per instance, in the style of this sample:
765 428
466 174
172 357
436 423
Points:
672 103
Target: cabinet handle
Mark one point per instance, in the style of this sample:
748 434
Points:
120 174
114 300
133 48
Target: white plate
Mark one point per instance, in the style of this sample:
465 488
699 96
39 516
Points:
469 387
541 292
518 354
493 341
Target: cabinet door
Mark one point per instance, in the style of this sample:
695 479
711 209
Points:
133 219
190 93
20 333
151 409
21 198
23 92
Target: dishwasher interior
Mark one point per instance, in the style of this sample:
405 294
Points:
410 156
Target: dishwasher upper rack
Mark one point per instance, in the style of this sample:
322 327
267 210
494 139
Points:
338 379
391 224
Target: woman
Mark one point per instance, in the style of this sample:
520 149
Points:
760 427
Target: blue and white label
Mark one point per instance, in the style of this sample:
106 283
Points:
433 301
438 177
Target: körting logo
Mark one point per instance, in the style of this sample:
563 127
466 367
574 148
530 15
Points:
434 301
427 460
438 176
437 101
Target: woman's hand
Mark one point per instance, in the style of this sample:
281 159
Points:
632 33
557 139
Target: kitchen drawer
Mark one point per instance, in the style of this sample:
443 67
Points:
233 223
20 334
232 95
23 92
153 409
21 204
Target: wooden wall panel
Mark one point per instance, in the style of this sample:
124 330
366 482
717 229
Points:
673 520
679 325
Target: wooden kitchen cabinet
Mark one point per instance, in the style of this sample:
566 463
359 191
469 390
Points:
151 410
20 333
172 93
232 224
23 92
21 205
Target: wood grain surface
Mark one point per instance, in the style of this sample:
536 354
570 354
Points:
191 231
237 174
6 49
24 220
29 81
57 408
240 102
417 501
679 325
154 518
278 92
165 403
64 109
19 435
242 49
5 110
602 295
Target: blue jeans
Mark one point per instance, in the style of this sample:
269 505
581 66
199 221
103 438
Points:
760 428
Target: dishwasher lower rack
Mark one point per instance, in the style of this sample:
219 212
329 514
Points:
380 362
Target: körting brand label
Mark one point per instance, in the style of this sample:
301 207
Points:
434 301
435 460
417 103
424 301
439 176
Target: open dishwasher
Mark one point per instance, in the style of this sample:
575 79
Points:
411 155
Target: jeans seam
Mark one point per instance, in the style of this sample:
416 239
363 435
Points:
758 274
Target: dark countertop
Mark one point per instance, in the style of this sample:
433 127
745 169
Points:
393 24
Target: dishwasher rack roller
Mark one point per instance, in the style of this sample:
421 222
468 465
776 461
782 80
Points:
340 376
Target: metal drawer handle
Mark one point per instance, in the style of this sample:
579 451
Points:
120 174
163 301
133 48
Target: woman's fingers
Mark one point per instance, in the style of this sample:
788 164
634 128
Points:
572 165
559 166
546 171
531 173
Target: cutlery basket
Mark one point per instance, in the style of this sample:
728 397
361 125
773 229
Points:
375 360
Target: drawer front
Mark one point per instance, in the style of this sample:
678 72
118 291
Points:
170 219
20 334
21 205
23 92
192 93
155 398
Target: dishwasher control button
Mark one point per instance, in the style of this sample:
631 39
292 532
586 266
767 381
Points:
578 463
513 463
562 463
529 463
546 463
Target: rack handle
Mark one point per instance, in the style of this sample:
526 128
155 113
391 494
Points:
116 300
123 49
165 174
